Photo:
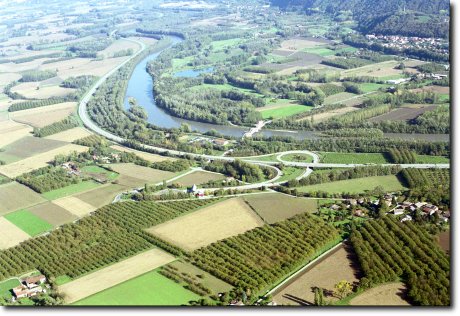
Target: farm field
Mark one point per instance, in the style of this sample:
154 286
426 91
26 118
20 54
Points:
10 234
384 70
392 294
199 177
431 159
352 158
38 161
71 189
203 227
148 175
340 98
114 274
157 290
15 196
389 183
320 117
341 264
290 173
52 213
45 115
74 205
369 87
70 135
34 90
143 155
27 147
29 222
444 241
275 207
283 111
102 195
404 113
117 46
214 284
263 158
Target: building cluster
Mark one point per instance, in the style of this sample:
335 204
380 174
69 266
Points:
407 209
30 286
437 45
204 140
71 168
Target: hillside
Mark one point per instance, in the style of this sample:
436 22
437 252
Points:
392 17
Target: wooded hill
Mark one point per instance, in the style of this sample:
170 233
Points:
391 17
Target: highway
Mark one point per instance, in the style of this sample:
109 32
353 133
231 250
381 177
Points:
83 113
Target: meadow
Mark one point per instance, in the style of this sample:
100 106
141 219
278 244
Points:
29 222
389 183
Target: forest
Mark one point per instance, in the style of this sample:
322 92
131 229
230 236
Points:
389 250
241 170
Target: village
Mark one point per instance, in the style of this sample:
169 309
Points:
30 286
437 45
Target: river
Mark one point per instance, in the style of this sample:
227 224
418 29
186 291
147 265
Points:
140 88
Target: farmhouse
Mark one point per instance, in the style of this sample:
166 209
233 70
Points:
398 81
29 287
71 168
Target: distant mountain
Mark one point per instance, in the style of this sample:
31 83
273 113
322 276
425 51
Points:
425 18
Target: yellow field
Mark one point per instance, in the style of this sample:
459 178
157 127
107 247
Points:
83 66
147 174
7 78
296 44
384 295
11 131
327 115
45 115
10 235
70 135
117 46
41 160
29 90
383 69
114 274
213 223
143 155
75 206
15 196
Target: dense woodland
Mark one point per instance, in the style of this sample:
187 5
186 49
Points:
47 179
389 250
241 170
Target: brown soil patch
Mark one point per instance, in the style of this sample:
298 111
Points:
15 196
101 196
393 294
52 213
34 90
339 265
327 115
199 177
11 131
404 113
203 227
444 241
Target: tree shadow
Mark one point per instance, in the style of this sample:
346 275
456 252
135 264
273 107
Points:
297 300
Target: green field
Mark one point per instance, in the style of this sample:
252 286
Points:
70 189
297 158
369 87
389 183
322 51
111 175
219 45
6 286
28 222
290 173
351 158
263 158
179 63
226 87
431 159
150 289
285 111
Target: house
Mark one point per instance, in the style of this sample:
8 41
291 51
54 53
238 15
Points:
359 213
192 189
430 209
406 218
335 207
72 168
398 211
397 81
420 204
34 281
220 141
352 202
